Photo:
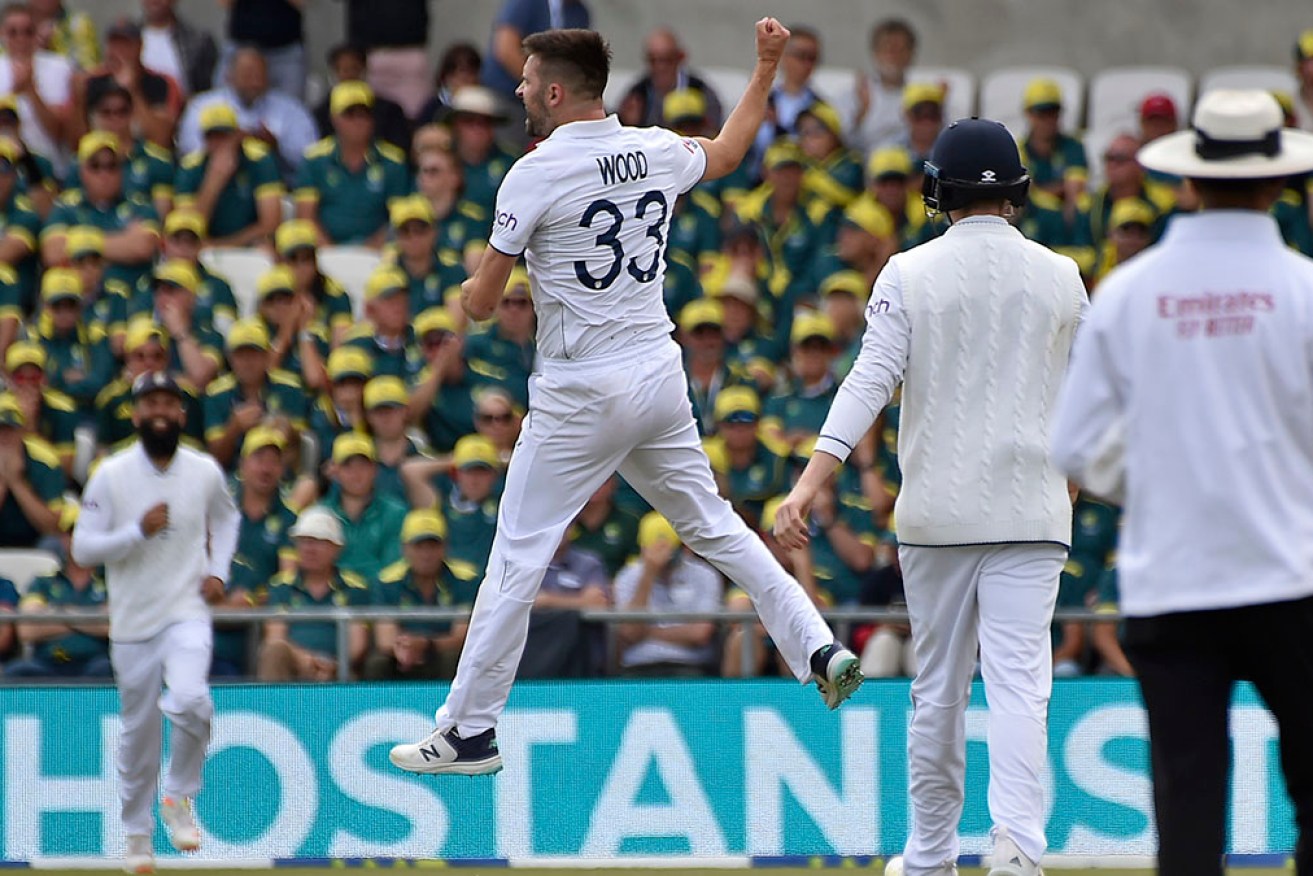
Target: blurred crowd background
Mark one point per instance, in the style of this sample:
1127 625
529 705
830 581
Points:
191 188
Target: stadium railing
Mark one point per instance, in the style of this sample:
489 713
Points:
841 619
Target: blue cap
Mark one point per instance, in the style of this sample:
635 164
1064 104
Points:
155 381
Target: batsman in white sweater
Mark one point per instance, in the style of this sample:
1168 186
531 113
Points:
161 520
977 325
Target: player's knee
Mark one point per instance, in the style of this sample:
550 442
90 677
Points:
191 708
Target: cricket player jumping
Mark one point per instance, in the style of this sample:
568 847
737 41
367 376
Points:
590 208
977 325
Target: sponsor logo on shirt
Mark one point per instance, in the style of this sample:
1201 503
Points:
1214 314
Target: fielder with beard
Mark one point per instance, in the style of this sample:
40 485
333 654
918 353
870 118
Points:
161 521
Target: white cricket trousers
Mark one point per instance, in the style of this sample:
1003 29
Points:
1000 597
588 419
177 657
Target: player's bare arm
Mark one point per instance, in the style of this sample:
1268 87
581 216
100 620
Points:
480 293
726 151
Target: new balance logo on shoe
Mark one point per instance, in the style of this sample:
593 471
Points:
430 753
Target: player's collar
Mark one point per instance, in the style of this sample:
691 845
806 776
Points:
588 128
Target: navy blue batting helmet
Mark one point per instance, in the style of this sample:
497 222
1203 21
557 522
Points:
974 160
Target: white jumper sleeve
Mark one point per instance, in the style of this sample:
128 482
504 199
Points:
96 540
876 373
1090 405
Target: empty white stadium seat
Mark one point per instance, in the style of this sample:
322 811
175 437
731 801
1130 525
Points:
961 97
1001 92
729 84
350 266
24 565
241 267
1117 92
1269 78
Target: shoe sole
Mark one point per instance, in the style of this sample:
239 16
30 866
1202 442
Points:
487 767
845 685
194 846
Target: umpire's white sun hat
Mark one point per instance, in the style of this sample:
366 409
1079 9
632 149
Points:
319 523
1236 135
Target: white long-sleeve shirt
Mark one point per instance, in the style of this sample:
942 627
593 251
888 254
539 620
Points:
154 582
978 326
1201 351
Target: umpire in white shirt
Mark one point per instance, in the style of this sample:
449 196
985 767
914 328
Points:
160 519
1198 361
977 325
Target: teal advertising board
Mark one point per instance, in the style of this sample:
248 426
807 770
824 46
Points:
597 770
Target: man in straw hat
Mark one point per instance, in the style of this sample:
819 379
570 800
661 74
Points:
1188 400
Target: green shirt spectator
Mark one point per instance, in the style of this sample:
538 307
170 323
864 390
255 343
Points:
41 473
347 180
75 652
79 362
371 520
397 589
287 590
504 354
240 194
148 173
20 226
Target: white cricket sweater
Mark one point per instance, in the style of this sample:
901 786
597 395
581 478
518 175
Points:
978 325
155 582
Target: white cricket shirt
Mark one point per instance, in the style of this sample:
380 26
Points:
590 208
154 582
1201 349
978 326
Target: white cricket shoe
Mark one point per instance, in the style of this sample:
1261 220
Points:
1008 859
444 751
138 857
177 817
894 867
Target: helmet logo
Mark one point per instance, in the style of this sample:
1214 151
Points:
987 176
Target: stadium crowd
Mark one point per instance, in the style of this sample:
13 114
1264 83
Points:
366 434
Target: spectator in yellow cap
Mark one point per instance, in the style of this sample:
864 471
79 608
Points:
422 578
474 115
503 354
148 167
347 180
1303 103
687 111
388 335
889 173
1130 231
18 234
1056 161
434 275
775 211
131 228
665 576
923 110
197 347
296 243
297 343
750 466
748 347
105 305
834 172
348 62
796 410
442 396
865 240
702 332
666 72
48 413
78 358
146 347
843 300
232 180
386 416
184 235
341 408
32 477
371 519
251 394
